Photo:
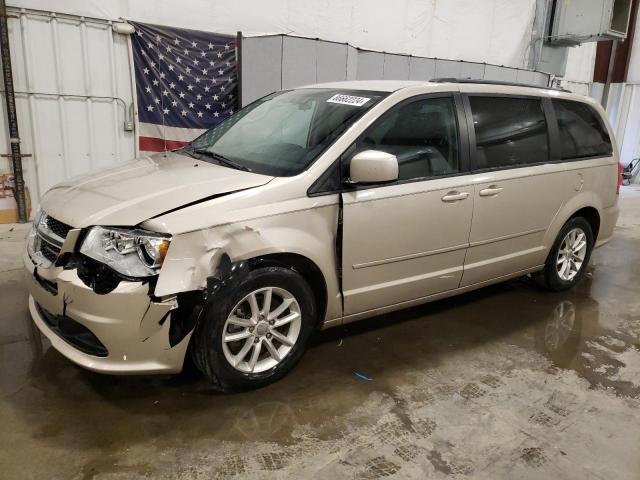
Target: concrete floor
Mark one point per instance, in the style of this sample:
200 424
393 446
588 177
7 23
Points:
505 382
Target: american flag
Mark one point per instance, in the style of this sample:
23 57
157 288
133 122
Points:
186 82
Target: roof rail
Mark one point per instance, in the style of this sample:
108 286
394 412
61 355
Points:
479 81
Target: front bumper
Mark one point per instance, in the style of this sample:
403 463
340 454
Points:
133 329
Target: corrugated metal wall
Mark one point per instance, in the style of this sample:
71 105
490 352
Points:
273 62
73 95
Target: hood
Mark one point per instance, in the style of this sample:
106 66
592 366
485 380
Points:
141 189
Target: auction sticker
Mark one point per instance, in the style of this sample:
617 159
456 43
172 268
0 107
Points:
343 99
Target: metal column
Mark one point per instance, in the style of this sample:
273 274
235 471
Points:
12 118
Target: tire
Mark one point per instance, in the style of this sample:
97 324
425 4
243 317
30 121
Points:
213 356
551 277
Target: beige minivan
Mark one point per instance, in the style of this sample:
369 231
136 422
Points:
315 207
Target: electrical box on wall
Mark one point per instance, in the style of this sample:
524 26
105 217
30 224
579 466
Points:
576 21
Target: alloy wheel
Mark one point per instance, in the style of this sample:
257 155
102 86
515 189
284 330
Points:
261 330
571 254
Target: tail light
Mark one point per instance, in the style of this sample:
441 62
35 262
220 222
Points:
620 170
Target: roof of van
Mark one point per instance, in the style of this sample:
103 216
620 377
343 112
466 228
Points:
462 84
372 85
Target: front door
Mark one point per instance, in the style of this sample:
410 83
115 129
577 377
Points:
407 240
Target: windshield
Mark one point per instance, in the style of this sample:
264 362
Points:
283 133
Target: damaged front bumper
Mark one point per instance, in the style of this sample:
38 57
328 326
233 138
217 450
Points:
123 332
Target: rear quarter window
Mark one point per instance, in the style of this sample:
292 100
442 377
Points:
581 131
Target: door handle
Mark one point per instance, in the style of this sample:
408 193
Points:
454 196
490 191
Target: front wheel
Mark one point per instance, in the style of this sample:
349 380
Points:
254 335
569 256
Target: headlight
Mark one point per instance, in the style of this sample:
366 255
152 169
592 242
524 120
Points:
134 253
32 237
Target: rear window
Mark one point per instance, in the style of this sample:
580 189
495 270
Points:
582 133
510 131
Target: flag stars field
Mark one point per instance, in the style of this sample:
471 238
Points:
185 83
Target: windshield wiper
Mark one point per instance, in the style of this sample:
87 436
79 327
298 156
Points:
187 151
221 159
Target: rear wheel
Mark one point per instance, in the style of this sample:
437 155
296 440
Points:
569 256
255 334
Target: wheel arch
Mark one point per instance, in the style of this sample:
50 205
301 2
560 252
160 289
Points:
587 205
305 267
592 216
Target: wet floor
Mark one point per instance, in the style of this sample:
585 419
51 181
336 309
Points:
504 382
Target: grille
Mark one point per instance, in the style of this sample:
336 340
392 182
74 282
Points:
49 251
57 227
51 234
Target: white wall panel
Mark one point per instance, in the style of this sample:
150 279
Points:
623 109
105 135
97 42
472 70
447 69
67 38
299 60
51 158
331 63
395 67
633 74
533 78
78 148
459 69
352 63
581 88
596 91
502 74
580 62
73 93
629 137
370 65
613 103
39 48
261 67
422 68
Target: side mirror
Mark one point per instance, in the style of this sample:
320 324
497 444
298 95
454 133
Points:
373 166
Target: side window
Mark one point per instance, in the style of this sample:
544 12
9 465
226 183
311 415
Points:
423 135
581 131
510 131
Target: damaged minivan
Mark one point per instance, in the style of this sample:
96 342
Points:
314 207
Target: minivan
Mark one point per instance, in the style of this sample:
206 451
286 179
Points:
314 207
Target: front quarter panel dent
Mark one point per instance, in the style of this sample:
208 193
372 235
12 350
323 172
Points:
194 257
191 258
